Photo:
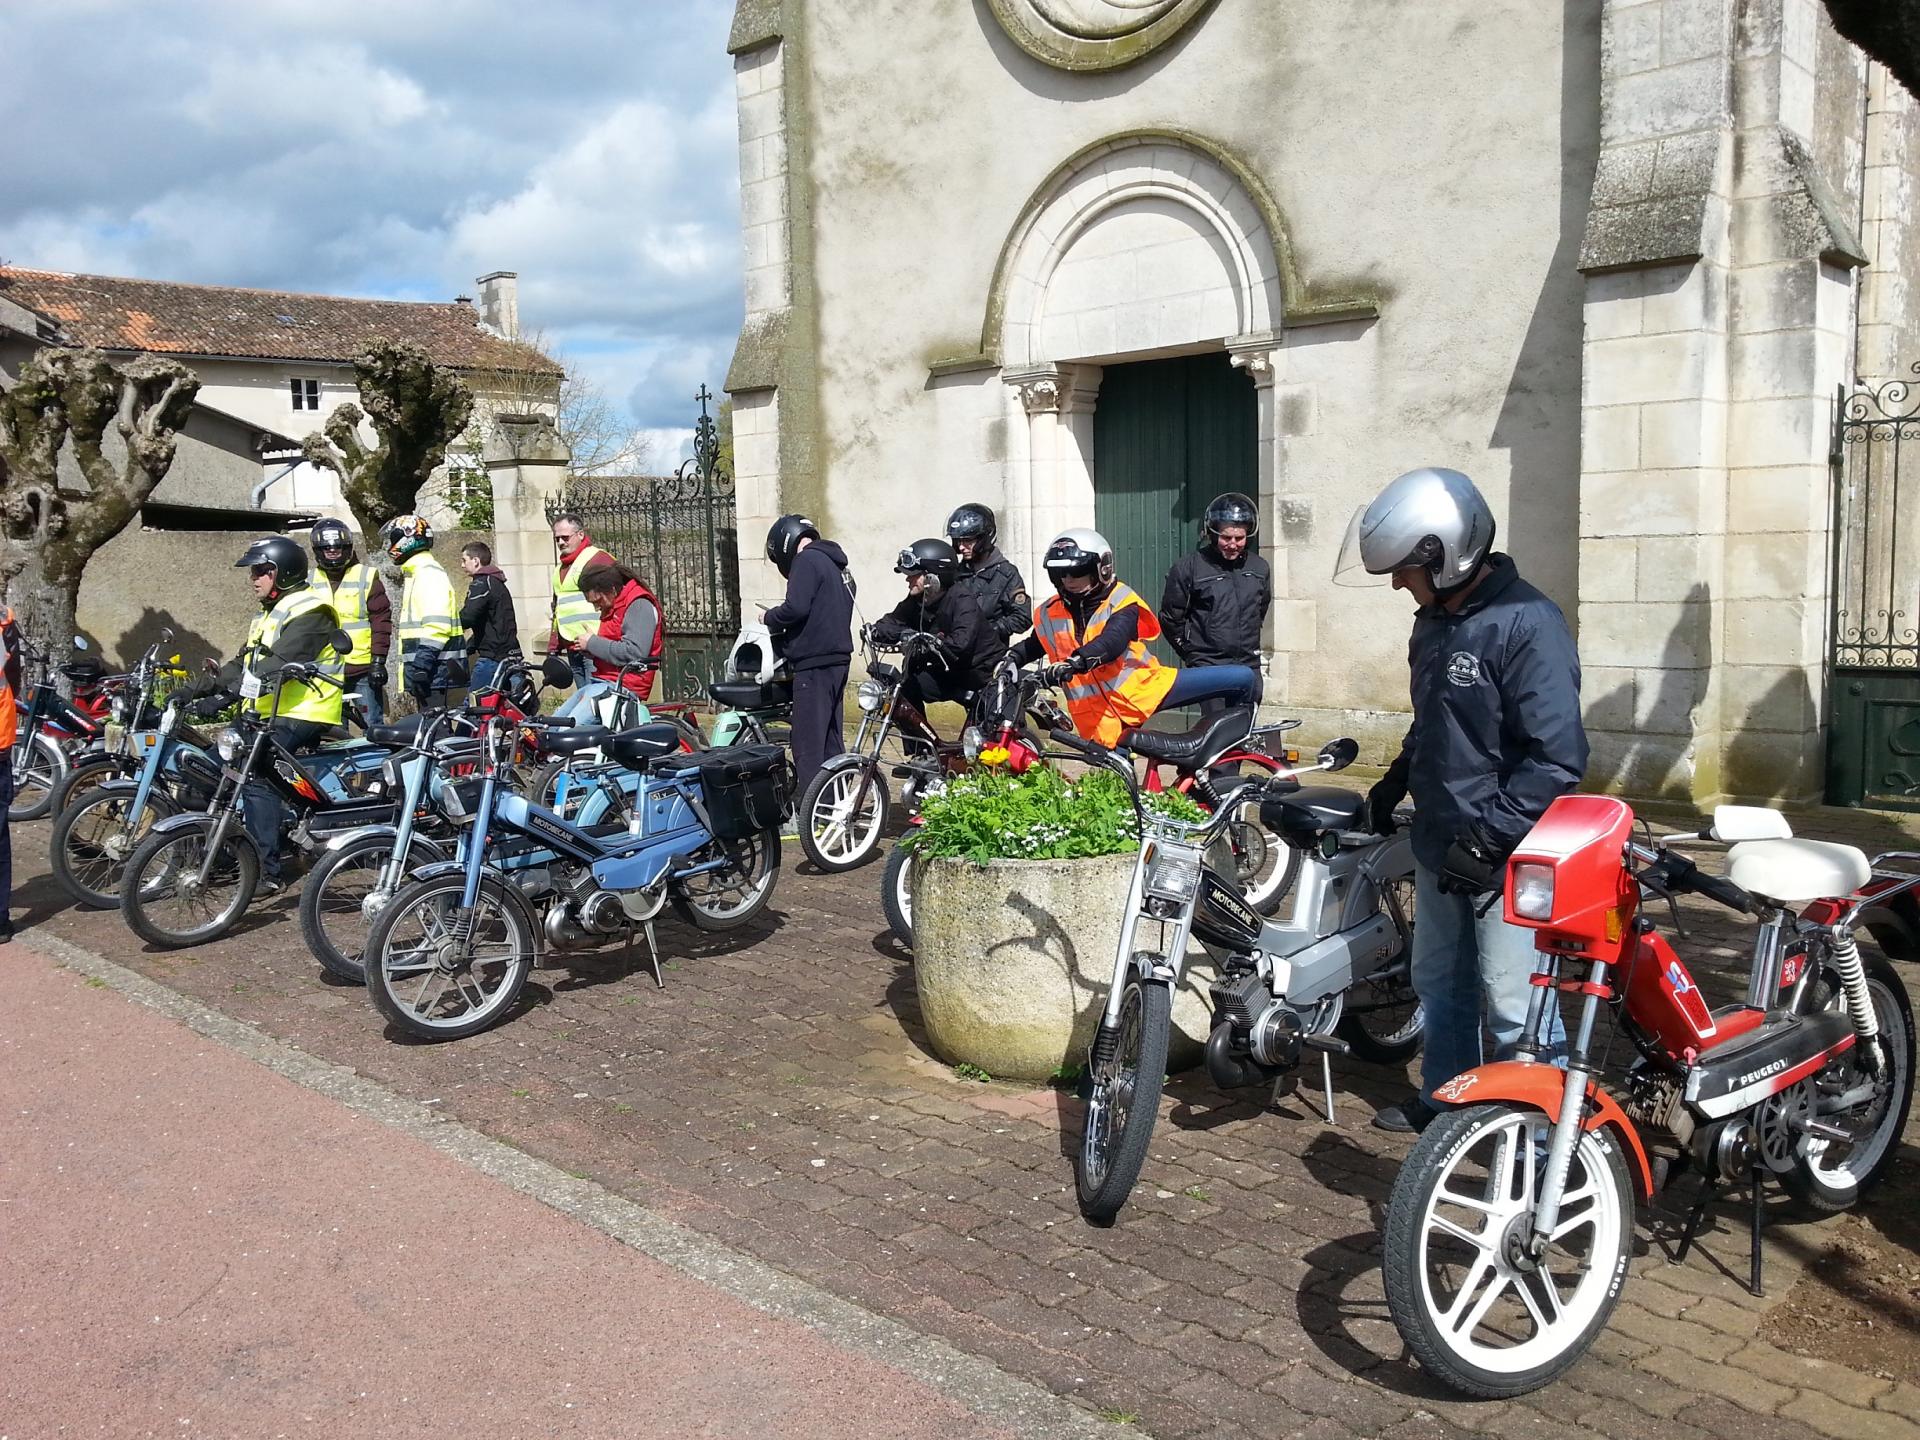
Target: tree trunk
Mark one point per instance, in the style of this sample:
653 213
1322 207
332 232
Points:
44 605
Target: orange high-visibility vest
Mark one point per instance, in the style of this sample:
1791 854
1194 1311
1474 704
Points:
1120 695
9 702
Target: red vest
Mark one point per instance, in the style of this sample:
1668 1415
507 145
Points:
640 682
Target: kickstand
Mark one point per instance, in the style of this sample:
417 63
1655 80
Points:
1694 1217
1326 1084
653 956
1757 1219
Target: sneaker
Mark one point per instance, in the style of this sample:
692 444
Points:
1409 1117
269 886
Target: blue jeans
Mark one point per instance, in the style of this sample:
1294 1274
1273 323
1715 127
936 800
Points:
1235 684
482 675
262 808
582 664
374 711
6 851
1466 966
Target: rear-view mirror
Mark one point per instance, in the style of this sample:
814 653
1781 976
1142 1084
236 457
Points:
456 672
1338 754
80 642
556 672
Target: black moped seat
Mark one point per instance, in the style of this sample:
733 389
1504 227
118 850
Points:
1312 810
572 742
400 732
1198 745
644 743
751 694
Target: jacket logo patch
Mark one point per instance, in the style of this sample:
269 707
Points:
1463 668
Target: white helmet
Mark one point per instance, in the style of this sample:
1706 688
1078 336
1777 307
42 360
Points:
1080 551
1430 517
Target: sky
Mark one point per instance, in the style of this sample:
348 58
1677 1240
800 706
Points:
398 149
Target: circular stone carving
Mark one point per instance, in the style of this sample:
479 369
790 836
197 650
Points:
1094 34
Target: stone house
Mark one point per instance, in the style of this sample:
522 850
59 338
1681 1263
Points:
1094 261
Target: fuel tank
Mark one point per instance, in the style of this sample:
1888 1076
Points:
1221 915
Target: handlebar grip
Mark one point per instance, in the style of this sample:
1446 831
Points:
555 722
1684 874
1074 742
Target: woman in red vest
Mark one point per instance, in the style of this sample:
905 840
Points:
632 628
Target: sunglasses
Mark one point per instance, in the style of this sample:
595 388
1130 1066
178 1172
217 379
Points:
564 540
259 570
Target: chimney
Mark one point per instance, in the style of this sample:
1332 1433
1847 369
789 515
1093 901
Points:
500 303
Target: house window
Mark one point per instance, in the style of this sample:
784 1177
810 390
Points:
306 394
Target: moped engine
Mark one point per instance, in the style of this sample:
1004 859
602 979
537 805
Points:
585 915
1255 1037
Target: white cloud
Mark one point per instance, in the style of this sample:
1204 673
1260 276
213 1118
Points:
336 89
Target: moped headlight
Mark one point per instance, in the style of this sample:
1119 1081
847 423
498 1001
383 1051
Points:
871 695
1173 875
229 743
1533 891
972 742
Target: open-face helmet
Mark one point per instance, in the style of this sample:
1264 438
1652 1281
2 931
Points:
288 560
1432 518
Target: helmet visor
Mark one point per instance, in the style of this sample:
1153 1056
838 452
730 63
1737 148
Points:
1349 568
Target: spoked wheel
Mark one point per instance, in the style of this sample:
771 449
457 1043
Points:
727 898
94 837
170 903
39 765
342 897
1384 1022
896 894
440 975
1478 1311
1125 1102
1264 865
85 776
1869 1100
842 815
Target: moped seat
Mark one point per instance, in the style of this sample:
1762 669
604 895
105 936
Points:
1312 810
643 743
400 732
572 742
1206 740
1793 871
751 694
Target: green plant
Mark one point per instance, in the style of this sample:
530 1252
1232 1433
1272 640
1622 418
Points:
1194 1192
966 1070
1065 1074
1119 1417
993 814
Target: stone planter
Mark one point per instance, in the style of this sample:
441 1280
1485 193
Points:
1012 961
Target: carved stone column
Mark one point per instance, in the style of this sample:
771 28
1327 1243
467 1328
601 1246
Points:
1053 489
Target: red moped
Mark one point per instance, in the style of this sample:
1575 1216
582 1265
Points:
1510 1227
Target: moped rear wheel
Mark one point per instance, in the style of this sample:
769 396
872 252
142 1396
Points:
1125 1103
729 897
342 897
1828 1175
896 894
438 975
1383 1020
164 899
39 765
842 815
1480 1316
94 838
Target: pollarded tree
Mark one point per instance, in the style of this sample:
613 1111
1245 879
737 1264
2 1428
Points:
417 408
48 533
1888 30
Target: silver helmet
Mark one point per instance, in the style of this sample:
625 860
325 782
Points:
1429 517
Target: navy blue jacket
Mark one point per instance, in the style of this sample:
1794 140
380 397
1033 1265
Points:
1496 734
815 622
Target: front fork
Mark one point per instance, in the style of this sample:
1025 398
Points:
1106 1039
1571 1122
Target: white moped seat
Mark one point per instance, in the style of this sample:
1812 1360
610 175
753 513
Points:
1793 871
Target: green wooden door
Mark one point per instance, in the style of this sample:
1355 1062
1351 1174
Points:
1168 436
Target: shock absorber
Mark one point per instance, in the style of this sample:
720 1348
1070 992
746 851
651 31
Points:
1853 982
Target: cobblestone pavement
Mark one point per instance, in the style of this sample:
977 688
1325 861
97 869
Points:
777 1096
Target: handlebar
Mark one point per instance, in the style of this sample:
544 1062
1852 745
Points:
1667 872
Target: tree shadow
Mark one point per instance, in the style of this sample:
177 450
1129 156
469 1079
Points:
186 642
1642 763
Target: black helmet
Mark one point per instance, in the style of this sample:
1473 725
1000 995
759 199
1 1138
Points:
929 557
972 522
288 560
1081 551
783 540
1233 508
332 543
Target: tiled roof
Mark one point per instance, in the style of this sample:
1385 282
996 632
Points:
173 319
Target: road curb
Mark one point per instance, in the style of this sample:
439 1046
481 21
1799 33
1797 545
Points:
1019 1406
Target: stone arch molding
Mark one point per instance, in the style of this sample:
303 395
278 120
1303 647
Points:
1094 34
1221 231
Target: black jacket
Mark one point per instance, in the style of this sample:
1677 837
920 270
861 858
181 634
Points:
972 647
487 616
815 622
1000 594
1496 734
301 642
1212 611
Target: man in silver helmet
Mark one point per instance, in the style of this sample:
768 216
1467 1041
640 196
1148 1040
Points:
1496 738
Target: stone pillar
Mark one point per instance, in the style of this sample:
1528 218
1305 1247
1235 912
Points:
1888 344
1054 487
1718 284
527 463
1289 623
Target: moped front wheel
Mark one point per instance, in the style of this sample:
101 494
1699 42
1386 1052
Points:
87 774
1125 1102
39 765
172 897
842 815
1480 1312
437 973
343 896
727 897
93 839
896 894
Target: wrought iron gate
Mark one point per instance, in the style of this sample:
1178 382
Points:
1873 737
679 535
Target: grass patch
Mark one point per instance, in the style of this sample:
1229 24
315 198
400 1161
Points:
967 1070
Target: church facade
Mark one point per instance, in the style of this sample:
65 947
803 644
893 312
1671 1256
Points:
1096 261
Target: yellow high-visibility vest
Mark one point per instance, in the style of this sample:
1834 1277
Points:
350 598
428 615
319 702
574 617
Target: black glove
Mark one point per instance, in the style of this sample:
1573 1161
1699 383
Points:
1387 793
208 707
1473 865
377 674
1059 673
